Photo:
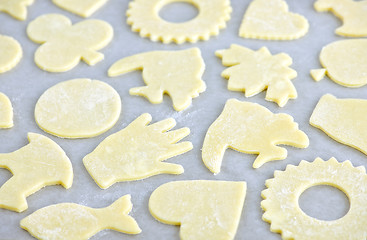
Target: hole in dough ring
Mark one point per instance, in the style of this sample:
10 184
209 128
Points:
286 217
143 16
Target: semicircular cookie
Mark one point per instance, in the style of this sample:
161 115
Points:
83 8
11 53
6 112
78 108
15 8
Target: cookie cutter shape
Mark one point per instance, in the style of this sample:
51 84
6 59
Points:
78 108
58 221
250 128
204 209
64 44
352 13
176 73
343 120
283 212
15 8
11 53
137 152
83 8
143 16
6 112
255 71
271 20
40 163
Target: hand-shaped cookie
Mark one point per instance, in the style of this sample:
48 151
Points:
15 8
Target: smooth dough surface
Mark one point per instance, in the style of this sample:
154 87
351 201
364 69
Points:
250 128
6 112
84 8
204 209
64 44
76 222
15 8
353 13
255 71
143 16
176 73
318 74
271 20
78 108
137 152
344 120
283 212
40 163
11 53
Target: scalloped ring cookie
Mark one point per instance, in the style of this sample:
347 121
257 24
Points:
143 16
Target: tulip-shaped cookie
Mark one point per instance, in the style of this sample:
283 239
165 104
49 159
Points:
64 44
83 8
76 222
15 8
250 128
40 163
176 73
137 152
6 112
10 53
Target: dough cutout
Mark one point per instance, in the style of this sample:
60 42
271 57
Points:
271 20
176 73
143 16
64 44
286 217
353 14
72 221
40 163
78 108
343 120
15 8
204 209
255 71
11 53
83 8
6 112
250 128
318 74
345 62
137 151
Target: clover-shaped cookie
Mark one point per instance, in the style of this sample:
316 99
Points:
15 8
64 44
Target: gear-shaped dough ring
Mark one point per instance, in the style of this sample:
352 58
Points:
143 16
283 212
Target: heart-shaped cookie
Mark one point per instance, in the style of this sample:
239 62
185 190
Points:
83 8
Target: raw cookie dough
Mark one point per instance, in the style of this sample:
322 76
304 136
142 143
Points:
250 128
143 16
344 120
176 73
78 108
353 13
271 20
345 62
76 222
318 74
6 112
204 209
40 163
64 44
137 152
11 53
15 8
255 71
83 8
283 212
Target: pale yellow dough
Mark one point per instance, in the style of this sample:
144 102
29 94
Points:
40 163
78 108
64 44
250 128
255 71
353 13
15 8
83 8
204 209
283 212
143 16
318 74
271 20
344 120
76 222
176 73
11 53
137 152
6 112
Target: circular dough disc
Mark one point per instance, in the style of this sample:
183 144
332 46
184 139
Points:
78 108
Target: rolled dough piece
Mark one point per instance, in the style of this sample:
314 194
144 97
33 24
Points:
318 74
15 8
83 8
11 53
78 108
6 112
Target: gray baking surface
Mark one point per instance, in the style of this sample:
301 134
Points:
25 84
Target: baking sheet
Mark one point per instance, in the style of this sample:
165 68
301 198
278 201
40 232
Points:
25 84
